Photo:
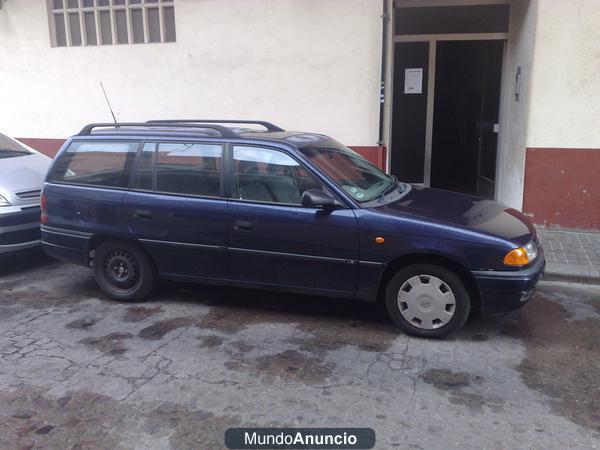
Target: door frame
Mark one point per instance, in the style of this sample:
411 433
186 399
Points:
433 39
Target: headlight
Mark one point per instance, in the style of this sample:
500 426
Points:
3 201
532 250
521 256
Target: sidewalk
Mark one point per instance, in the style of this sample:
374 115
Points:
571 256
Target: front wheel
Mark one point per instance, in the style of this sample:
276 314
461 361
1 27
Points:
123 270
427 300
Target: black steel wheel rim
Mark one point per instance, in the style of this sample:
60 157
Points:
122 270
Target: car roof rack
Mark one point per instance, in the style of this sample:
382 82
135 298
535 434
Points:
225 131
268 125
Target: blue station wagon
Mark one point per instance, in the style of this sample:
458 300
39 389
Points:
211 201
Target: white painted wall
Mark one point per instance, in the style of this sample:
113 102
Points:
557 45
304 64
514 114
565 86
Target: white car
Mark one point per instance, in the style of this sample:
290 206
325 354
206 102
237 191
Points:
22 173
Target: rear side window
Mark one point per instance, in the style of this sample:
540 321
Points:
106 164
144 172
189 168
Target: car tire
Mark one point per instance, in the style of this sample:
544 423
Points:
427 300
124 271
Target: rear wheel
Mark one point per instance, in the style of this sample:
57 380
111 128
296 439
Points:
123 270
427 300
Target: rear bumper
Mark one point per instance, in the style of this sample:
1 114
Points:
19 230
66 245
502 291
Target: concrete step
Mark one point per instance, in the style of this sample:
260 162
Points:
571 255
572 272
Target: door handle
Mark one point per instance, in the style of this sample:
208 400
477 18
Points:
142 214
242 225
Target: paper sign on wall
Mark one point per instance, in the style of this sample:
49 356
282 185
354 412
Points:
413 81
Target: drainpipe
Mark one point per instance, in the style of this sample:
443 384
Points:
385 17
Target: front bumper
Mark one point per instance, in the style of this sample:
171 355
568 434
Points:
19 230
502 291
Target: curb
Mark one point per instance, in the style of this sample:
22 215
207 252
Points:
572 273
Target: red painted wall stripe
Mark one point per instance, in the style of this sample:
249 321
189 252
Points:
48 147
562 187
374 154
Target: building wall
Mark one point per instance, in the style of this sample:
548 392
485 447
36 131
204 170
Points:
513 112
563 141
315 65
309 65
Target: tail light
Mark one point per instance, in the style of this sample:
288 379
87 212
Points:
44 215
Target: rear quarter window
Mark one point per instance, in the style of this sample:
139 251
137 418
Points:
106 164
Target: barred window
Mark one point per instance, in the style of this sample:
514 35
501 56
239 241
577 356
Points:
106 22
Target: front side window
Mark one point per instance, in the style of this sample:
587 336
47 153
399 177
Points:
105 22
269 175
106 164
357 176
189 168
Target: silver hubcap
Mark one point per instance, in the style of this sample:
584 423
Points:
426 302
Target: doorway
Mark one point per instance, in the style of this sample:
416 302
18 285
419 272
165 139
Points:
446 93
466 115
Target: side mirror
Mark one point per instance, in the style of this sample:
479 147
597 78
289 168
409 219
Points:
316 198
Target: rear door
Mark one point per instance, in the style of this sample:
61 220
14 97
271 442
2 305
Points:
274 239
176 209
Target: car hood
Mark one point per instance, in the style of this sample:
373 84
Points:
23 172
465 211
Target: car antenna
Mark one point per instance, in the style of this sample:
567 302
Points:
108 102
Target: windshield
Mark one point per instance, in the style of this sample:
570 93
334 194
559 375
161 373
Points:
357 176
10 148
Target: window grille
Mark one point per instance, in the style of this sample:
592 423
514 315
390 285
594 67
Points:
105 22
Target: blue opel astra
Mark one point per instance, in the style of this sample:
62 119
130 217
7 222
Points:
211 201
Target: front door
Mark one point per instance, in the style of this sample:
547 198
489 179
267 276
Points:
274 240
466 116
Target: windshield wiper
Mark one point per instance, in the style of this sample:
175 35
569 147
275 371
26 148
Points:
390 188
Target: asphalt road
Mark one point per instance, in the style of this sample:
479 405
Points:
80 371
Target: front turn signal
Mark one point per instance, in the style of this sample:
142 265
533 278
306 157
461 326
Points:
516 257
